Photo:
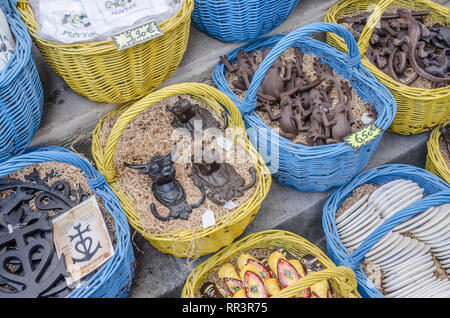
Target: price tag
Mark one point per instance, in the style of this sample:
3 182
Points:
137 35
363 136
230 205
224 143
208 218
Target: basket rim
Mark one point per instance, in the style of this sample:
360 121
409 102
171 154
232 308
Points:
343 274
254 120
437 161
134 109
337 251
22 55
404 90
92 48
98 186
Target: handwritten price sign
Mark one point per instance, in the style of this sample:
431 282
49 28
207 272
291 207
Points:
363 136
137 35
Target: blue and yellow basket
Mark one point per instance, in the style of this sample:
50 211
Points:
21 95
240 20
114 278
303 167
436 190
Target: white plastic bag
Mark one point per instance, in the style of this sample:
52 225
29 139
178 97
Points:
111 16
62 21
70 21
7 42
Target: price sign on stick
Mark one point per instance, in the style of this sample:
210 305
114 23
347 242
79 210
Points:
363 136
137 35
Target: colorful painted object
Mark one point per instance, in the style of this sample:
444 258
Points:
254 285
232 280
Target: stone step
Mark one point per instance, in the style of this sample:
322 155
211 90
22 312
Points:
70 118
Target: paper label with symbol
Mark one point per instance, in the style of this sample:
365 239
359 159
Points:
81 235
137 35
363 136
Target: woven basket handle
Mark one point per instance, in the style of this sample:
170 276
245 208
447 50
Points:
344 277
371 24
299 35
359 254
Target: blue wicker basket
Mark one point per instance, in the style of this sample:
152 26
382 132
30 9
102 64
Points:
240 20
114 277
303 167
21 95
437 192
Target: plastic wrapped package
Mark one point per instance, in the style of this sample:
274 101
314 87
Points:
7 42
70 21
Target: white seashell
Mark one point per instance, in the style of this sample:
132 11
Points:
388 244
412 285
398 196
396 241
377 193
402 243
352 209
405 253
416 221
437 223
403 203
355 216
405 270
356 226
419 252
441 249
439 242
393 280
359 236
423 292
430 235
442 255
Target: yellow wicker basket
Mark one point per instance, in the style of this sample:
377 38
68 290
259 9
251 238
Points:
100 72
418 109
187 242
435 160
341 278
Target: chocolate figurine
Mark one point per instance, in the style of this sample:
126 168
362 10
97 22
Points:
210 290
311 263
415 33
221 179
401 40
166 189
185 115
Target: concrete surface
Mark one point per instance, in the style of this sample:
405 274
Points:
70 118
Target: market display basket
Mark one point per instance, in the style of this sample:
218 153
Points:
342 279
114 278
418 109
240 20
308 168
21 95
100 72
435 161
437 192
185 242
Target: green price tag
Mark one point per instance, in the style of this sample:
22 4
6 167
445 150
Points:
137 35
363 136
